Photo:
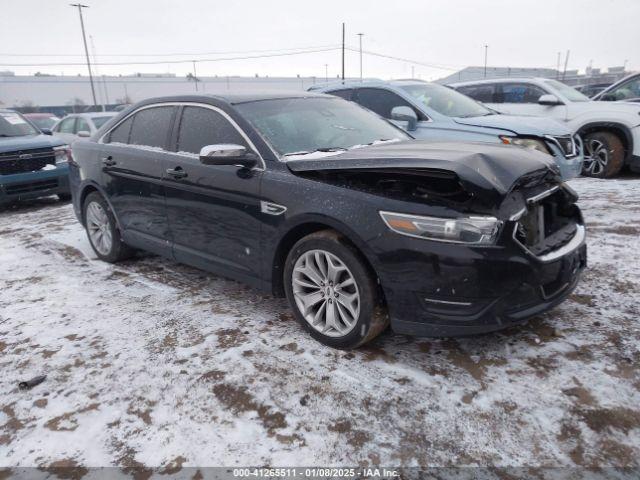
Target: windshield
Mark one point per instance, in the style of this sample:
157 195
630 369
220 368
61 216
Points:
306 125
568 92
13 124
99 121
44 122
446 101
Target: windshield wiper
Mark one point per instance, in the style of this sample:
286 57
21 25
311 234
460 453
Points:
322 149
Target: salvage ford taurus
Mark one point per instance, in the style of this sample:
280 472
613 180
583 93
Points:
318 199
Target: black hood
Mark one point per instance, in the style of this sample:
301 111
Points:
480 165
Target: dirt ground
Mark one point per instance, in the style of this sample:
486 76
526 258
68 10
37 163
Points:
150 363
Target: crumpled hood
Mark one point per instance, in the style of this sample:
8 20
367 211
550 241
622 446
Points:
28 142
518 124
479 165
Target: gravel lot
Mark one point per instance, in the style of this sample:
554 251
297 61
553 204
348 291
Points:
151 363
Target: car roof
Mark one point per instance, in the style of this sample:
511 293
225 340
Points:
367 83
91 114
499 80
39 115
235 98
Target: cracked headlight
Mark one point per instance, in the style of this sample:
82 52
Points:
469 230
530 143
62 154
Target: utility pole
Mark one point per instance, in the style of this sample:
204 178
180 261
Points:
326 73
566 62
195 76
486 49
624 66
342 52
360 35
86 50
558 67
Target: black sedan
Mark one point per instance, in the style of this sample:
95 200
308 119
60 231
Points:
318 199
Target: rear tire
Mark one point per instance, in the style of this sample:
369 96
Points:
332 292
102 230
603 155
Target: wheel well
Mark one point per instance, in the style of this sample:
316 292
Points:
620 131
289 240
87 190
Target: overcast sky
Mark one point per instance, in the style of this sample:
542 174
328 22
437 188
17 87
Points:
450 34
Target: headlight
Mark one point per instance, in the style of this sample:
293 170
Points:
62 154
530 143
470 230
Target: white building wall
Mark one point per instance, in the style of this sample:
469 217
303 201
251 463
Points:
17 91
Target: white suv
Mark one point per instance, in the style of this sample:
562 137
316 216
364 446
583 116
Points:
611 130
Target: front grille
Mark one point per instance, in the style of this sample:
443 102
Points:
547 225
31 187
22 161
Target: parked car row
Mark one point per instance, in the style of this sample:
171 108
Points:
364 203
433 112
610 130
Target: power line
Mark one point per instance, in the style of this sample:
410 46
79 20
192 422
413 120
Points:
407 60
164 62
175 54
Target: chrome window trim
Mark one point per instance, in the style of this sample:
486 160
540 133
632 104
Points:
189 104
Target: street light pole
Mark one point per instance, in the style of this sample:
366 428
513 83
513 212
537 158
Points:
195 76
360 35
86 50
486 48
326 73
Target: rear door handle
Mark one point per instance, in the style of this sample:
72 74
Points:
177 172
108 161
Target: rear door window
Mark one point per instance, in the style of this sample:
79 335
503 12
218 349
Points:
344 93
120 134
380 101
201 126
481 93
151 127
67 125
520 93
82 126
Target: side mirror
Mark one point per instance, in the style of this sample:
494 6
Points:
46 131
84 134
549 99
405 114
227 154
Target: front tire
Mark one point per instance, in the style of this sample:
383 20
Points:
332 292
603 155
102 230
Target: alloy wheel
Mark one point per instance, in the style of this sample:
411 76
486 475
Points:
596 158
99 228
326 293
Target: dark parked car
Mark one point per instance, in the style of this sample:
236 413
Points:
32 164
316 198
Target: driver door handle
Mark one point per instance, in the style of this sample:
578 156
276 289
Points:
108 161
177 172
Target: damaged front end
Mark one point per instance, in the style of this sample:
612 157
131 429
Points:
472 243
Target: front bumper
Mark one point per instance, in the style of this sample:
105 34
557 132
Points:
442 289
30 185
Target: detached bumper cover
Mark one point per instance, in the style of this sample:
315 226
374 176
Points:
457 290
29 185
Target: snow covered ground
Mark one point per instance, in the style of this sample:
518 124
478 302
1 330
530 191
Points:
157 364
